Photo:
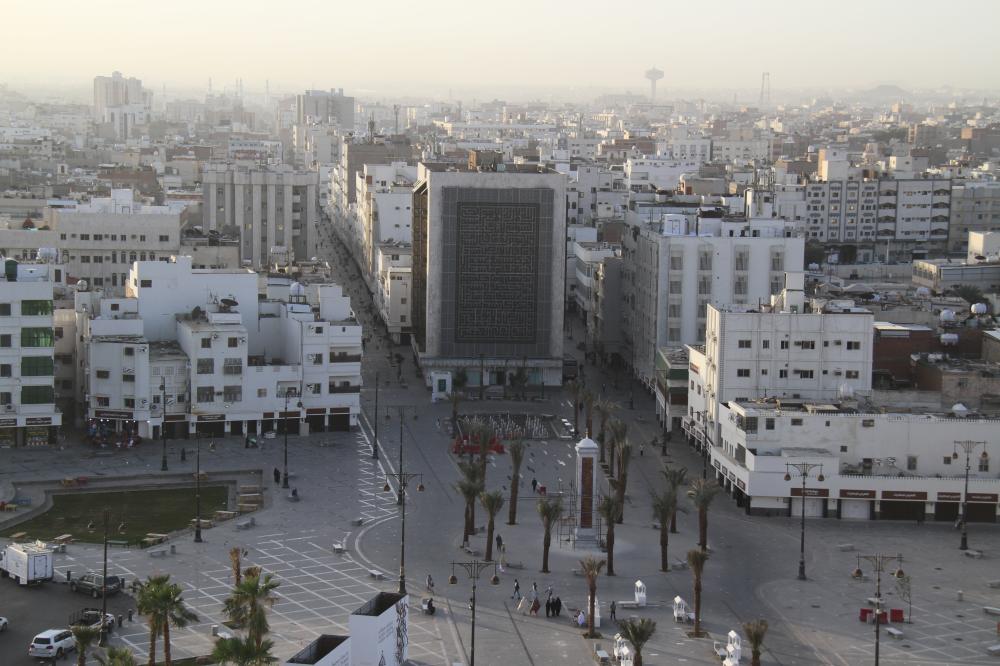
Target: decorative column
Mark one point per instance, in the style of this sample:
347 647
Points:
586 480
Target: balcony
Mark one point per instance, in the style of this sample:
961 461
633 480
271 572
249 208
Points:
343 389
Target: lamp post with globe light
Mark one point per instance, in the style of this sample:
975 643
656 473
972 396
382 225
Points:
474 569
968 446
878 562
803 470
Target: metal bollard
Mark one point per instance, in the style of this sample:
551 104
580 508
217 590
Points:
131 614
960 595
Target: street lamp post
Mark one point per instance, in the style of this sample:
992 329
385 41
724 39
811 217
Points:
402 481
474 569
104 581
163 423
879 562
289 393
968 446
375 425
197 489
803 469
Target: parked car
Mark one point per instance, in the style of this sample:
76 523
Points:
92 583
3 624
91 617
52 643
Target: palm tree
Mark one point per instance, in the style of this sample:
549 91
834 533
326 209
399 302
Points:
162 603
664 505
620 484
618 432
550 511
492 503
591 568
236 555
675 476
84 636
117 656
243 652
485 434
755 632
516 451
604 409
575 390
702 492
696 560
587 398
247 605
638 633
609 507
469 486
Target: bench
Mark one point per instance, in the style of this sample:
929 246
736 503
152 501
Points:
8 507
376 574
338 547
515 565
845 547
977 554
158 552
246 508
205 523
991 610
201 475
471 551
602 656
118 542
225 515
358 522
17 536
246 524
895 633
63 539
249 489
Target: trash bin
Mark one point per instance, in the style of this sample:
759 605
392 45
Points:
69 575
541 490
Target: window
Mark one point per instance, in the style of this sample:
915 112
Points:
103 401
853 345
164 238
130 403
126 377
743 372
4 309
206 366
206 394
36 337
261 393
36 395
402 301
763 372
402 319
234 342
804 374
984 464
84 236
232 366
674 287
807 344
84 258
947 460
852 374
796 422
37 366
782 374
129 351
5 340
768 424
744 344
206 343
145 283
868 423
784 344
676 262
6 370
232 394
315 389
911 463
765 344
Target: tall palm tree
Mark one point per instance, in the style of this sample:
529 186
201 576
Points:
609 507
702 492
591 568
587 398
147 604
604 409
117 656
484 435
236 555
550 511
696 560
516 451
637 632
664 505
675 477
618 432
492 503
621 483
84 636
243 652
469 486
755 631
247 605
175 614
575 390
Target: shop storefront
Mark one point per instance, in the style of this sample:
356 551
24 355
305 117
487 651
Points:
815 502
856 504
8 433
902 505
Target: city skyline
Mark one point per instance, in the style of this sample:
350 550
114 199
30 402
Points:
540 49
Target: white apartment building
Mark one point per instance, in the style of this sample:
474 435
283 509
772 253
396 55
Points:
690 149
674 269
595 193
384 212
273 208
394 293
588 256
975 206
116 91
650 173
28 413
782 350
99 240
223 356
876 465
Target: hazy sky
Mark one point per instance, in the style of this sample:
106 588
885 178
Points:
470 44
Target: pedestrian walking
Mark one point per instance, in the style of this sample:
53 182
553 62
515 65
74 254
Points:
499 542
548 608
534 590
430 584
534 607
614 607
517 590
548 592
534 485
558 603
277 475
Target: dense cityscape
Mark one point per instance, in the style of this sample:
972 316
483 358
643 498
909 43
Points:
339 376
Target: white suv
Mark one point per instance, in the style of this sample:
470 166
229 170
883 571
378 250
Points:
52 643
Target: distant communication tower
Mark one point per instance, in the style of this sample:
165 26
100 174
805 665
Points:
765 89
653 75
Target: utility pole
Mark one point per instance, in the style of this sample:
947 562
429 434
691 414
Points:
402 480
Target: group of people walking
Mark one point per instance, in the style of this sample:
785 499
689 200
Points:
530 603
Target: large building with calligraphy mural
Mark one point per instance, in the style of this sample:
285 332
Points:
488 245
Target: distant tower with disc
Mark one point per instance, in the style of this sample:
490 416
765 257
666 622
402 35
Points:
653 75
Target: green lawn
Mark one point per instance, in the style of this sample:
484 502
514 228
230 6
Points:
142 511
